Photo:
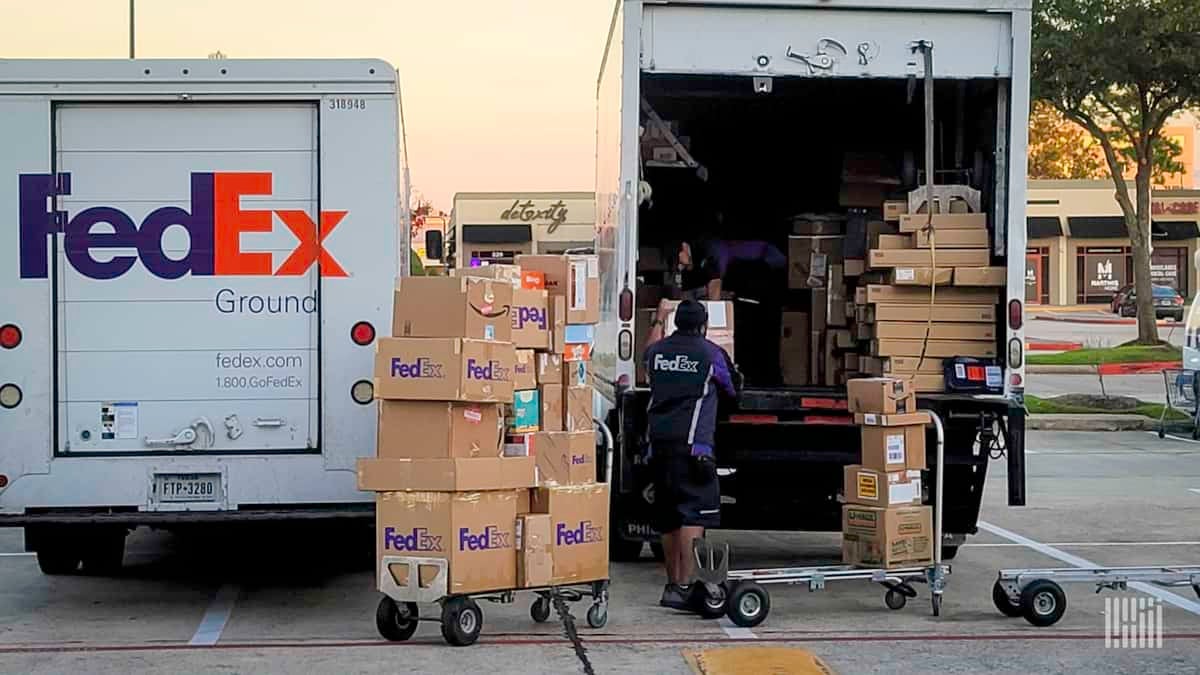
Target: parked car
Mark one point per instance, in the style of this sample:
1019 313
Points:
1167 303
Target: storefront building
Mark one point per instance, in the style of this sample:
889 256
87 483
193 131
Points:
1078 249
498 226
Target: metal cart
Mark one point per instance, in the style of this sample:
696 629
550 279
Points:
1183 395
461 618
1037 594
741 594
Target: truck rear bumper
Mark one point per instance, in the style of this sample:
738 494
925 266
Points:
132 518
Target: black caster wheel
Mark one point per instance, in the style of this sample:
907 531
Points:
894 599
1043 603
1002 602
597 615
462 620
748 604
396 621
709 600
1162 433
539 611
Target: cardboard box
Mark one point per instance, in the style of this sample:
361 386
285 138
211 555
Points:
552 399
473 532
576 278
937 349
944 221
900 536
893 209
444 307
876 294
577 342
720 323
820 310
850 362
816 359
525 370
923 258
920 276
809 258
526 412
523 501
577 374
444 369
437 430
501 271
794 348
862 195
577 409
446 475
869 487
530 319
855 268
557 316
951 239
938 330
579 521
893 448
837 296
809 225
891 242
898 365
564 458
875 228
981 276
549 368
898 420
883 395
918 312
535 539
926 383
842 339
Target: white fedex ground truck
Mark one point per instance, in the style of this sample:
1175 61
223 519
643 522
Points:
751 108
195 257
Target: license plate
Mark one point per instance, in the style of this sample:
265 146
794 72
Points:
187 487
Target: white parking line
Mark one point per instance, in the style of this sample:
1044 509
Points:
1088 544
736 632
215 618
1047 550
1197 491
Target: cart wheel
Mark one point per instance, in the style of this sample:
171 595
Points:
935 601
709 600
894 599
1002 602
748 604
396 622
1162 433
597 615
462 620
539 611
1043 603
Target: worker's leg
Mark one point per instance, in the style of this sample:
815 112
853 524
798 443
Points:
686 559
670 548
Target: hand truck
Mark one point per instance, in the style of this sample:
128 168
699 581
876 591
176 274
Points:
741 594
1037 595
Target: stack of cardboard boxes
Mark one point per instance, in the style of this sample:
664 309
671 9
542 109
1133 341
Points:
464 470
883 521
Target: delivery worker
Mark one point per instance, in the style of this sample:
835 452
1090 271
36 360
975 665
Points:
701 266
686 373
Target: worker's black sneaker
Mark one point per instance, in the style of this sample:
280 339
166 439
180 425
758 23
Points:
675 597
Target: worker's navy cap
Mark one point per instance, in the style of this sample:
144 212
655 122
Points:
690 315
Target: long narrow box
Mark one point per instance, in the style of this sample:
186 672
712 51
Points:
446 475
937 331
925 258
915 222
912 295
938 349
940 312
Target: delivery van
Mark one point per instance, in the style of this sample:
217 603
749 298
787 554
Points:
785 122
197 256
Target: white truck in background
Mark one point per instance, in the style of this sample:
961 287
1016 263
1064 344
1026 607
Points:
196 258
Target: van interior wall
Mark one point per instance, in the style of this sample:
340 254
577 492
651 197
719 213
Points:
773 156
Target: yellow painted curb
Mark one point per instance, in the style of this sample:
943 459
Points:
770 660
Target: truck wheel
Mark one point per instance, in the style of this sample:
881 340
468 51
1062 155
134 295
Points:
105 554
1043 603
396 622
462 621
54 561
748 604
1003 603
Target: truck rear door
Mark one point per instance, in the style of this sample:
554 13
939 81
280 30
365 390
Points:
186 285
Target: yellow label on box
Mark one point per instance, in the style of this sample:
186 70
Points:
868 486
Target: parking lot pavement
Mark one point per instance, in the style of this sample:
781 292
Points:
303 602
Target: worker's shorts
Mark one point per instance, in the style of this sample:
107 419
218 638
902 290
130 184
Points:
686 491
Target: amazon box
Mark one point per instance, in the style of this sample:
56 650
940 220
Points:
577 409
893 448
535 542
869 487
893 537
474 532
530 319
525 370
509 273
446 475
580 530
575 278
442 307
444 369
552 398
439 430
883 395
564 458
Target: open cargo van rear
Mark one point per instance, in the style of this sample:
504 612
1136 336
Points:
720 123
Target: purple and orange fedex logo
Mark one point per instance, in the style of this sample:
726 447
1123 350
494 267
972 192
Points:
215 223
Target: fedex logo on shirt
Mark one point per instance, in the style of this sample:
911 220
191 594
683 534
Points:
679 363
214 220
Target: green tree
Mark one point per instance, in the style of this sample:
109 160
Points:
1061 149
1122 69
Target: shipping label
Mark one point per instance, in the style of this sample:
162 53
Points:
895 449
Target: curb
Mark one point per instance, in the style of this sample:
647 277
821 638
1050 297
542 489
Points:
1060 370
1109 322
1032 346
1151 367
1090 423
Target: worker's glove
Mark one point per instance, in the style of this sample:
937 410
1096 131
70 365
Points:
739 380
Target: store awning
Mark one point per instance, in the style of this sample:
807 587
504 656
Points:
1098 227
1174 230
1043 227
496 234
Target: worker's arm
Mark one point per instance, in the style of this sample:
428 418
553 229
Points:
713 289
722 370
658 325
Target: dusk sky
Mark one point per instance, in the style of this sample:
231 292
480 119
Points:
498 94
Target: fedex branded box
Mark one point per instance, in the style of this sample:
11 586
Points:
444 369
579 530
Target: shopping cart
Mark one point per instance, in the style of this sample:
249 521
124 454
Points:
1183 395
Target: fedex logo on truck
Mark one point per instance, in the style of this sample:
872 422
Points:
586 533
418 539
420 368
486 370
215 221
490 539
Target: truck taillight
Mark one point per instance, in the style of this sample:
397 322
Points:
363 333
362 392
626 305
1015 314
3 481
10 336
10 396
